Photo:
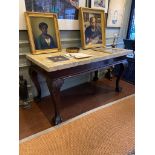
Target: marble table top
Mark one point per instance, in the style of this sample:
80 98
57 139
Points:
44 62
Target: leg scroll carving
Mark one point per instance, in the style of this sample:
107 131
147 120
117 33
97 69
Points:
95 76
34 76
54 89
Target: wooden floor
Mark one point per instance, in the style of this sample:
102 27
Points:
75 101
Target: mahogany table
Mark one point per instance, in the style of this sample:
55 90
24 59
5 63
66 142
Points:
56 72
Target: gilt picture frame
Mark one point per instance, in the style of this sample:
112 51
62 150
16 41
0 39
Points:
92 27
43 32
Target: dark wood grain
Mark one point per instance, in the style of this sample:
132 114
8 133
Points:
34 77
123 67
54 87
54 78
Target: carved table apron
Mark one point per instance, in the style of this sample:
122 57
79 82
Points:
55 79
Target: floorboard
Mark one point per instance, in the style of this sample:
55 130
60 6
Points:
75 101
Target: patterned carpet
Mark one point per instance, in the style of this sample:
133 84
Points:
107 130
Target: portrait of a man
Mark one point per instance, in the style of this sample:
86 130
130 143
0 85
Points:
43 32
92 27
93 34
44 40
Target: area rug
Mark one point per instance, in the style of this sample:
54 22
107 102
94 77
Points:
106 130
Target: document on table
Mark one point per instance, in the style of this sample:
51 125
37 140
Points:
58 58
78 55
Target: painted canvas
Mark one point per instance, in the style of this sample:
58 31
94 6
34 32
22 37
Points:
92 28
115 13
100 4
43 32
67 11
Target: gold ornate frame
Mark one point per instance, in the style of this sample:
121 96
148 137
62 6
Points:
82 29
49 17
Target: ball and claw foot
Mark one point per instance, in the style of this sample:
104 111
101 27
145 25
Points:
57 120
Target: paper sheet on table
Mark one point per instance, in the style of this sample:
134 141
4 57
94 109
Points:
80 55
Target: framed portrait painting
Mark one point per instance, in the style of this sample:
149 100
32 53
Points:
100 4
66 10
43 32
92 27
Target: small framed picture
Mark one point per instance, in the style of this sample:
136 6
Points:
115 13
43 32
100 4
92 27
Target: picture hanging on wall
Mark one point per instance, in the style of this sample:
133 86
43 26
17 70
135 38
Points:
100 4
115 13
92 27
66 10
43 32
